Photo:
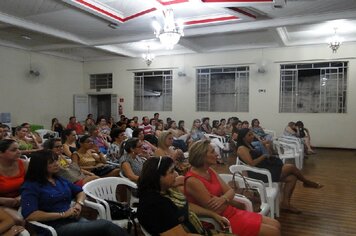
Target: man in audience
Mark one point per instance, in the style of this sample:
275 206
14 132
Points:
156 117
145 126
73 124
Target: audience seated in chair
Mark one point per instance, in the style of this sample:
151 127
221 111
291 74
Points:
12 175
114 152
162 209
204 187
46 197
73 124
205 125
69 139
57 127
287 173
258 130
131 161
179 138
147 147
100 140
68 169
27 145
89 158
104 128
304 134
196 133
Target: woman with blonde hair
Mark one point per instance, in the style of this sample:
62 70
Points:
204 187
165 146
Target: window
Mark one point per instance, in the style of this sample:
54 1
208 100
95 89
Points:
223 89
313 88
153 91
100 81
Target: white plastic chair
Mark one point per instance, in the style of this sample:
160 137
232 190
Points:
288 151
43 132
272 189
265 207
47 227
297 142
50 229
270 132
132 198
105 189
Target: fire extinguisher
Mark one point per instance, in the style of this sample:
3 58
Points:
120 110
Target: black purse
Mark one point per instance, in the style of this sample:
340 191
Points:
103 170
121 211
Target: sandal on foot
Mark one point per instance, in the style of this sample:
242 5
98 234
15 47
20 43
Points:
313 185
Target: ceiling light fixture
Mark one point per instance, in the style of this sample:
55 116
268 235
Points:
171 32
148 57
335 42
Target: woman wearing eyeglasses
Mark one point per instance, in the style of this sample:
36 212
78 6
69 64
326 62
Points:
68 170
47 198
162 209
131 161
88 158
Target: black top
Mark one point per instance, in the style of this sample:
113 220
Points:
157 214
273 164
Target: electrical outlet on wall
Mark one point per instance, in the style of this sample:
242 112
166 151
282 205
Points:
262 90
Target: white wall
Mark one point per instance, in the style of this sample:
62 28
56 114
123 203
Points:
328 130
38 100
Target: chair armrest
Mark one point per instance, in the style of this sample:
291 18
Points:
98 207
241 168
47 227
244 200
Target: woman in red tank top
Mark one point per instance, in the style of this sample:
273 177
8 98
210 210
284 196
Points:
12 173
205 188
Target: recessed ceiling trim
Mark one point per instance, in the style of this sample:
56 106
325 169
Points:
211 20
237 1
245 13
107 12
171 2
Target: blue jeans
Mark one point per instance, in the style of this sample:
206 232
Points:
259 146
90 228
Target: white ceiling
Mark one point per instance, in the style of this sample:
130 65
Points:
78 29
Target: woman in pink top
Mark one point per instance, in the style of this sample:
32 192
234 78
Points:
205 188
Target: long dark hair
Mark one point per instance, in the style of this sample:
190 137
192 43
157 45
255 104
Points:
5 144
152 170
65 134
37 168
241 135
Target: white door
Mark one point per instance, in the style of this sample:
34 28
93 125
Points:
114 107
80 107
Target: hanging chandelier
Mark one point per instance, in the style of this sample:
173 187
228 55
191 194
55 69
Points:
334 42
171 32
148 57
